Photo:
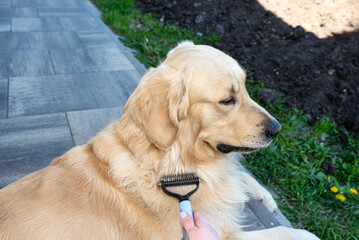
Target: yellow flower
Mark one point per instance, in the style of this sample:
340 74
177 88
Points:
354 191
334 189
340 197
328 178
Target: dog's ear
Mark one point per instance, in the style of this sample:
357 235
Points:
159 103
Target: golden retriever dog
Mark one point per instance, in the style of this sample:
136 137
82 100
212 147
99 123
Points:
186 115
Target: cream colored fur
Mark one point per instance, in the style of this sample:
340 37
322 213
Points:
172 123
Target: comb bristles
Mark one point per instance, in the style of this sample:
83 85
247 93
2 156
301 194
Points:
179 179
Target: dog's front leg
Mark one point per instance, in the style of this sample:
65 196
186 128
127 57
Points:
258 192
278 233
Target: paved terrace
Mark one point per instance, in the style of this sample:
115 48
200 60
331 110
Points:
64 76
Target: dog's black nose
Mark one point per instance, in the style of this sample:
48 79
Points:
273 128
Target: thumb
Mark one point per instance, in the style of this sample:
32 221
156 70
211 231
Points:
199 219
187 221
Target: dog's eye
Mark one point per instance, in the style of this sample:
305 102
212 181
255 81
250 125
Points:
227 101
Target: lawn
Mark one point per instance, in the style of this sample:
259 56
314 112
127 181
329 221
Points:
325 204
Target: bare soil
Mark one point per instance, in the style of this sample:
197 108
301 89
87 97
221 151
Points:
305 57
324 18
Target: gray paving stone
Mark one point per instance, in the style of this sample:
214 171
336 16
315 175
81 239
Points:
129 53
48 3
24 12
5 25
268 218
25 63
3 97
28 144
62 12
5 12
95 39
4 3
38 40
86 124
251 222
89 60
36 24
282 219
54 24
61 93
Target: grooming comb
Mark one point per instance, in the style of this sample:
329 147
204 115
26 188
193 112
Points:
177 180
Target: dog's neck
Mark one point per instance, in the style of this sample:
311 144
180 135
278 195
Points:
179 157
186 152
126 140
136 164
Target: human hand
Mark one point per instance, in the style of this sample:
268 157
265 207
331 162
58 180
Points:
199 229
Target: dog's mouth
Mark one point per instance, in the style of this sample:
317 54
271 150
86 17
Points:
228 148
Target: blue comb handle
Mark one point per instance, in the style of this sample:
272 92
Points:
186 207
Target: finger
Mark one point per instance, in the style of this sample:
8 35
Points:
187 221
199 219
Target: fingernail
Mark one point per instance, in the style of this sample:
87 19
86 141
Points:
183 214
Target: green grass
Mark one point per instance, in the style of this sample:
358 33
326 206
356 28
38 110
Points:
291 165
143 32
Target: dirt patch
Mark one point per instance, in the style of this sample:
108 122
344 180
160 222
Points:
321 17
320 76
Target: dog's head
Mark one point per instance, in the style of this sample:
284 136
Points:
202 89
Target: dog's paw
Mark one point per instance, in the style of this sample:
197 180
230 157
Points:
259 193
267 199
269 202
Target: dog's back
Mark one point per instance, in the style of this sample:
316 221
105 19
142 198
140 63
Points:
28 207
